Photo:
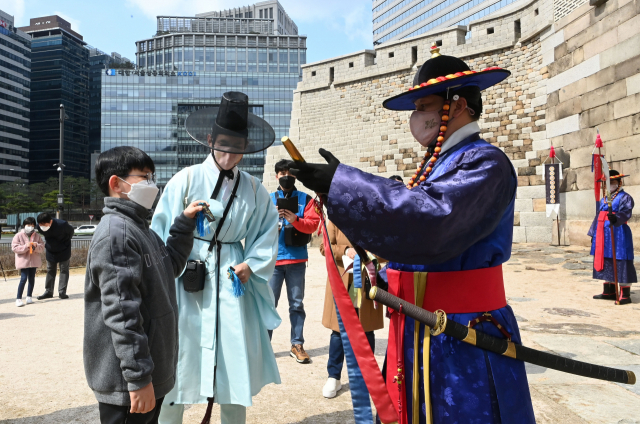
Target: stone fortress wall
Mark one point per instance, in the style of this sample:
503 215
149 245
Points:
571 71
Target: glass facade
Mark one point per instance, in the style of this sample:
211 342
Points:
147 108
398 19
15 87
60 75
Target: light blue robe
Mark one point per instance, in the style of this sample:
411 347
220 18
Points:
246 361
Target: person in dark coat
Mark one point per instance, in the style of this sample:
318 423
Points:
600 231
57 234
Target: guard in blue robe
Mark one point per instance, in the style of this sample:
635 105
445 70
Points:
601 247
446 235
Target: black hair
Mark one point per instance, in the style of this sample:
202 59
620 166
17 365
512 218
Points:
29 221
120 161
282 165
396 177
44 217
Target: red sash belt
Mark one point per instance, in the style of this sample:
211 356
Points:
455 292
598 260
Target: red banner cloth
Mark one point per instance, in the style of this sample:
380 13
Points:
364 355
597 176
598 260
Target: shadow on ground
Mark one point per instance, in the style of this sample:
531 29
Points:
35 302
342 417
81 415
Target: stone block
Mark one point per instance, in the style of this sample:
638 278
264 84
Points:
539 205
624 149
530 192
633 84
538 135
584 137
563 126
627 68
629 28
519 235
630 105
583 70
534 219
522 180
606 94
596 116
572 90
601 78
523 205
601 43
618 128
568 108
541 144
635 124
516 219
539 234
620 52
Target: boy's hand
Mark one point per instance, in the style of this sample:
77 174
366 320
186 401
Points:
143 400
194 208
243 272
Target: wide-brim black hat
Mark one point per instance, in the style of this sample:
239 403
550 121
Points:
244 131
444 75
615 175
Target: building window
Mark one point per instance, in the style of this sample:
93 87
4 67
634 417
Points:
391 54
414 54
490 30
260 13
271 13
350 64
536 12
438 43
313 73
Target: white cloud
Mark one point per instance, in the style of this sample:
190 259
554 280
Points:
352 18
75 23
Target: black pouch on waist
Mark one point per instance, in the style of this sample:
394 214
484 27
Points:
293 237
193 277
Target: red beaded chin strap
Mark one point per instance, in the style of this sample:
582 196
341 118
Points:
414 181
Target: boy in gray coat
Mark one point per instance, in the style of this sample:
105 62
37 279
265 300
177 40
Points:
131 313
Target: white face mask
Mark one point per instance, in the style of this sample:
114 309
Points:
142 193
29 229
45 228
614 187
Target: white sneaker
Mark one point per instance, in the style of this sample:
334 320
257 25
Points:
331 388
19 303
29 300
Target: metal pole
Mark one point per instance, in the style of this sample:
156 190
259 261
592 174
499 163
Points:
558 215
60 163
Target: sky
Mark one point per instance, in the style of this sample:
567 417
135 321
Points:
332 27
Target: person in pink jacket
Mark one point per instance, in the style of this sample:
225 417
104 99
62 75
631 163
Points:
27 245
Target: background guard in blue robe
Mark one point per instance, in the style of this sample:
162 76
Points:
459 218
622 206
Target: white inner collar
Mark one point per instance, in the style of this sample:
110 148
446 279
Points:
462 133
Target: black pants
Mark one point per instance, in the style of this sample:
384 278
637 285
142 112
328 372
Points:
115 414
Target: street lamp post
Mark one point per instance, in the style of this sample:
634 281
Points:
60 164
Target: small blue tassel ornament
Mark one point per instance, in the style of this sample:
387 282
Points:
238 288
202 225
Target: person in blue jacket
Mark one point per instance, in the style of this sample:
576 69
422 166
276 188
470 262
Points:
601 248
294 233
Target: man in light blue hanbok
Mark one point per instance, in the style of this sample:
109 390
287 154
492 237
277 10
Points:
225 355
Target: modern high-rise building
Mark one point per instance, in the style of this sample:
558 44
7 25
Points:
15 83
398 19
59 75
98 62
188 65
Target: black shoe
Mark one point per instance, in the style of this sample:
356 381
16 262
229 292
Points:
625 296
63 296
45 295
608 292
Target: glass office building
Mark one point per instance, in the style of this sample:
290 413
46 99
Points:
15 87
398 19
59 75
188 65
98 62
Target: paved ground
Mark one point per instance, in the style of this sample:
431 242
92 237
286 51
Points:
42 379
